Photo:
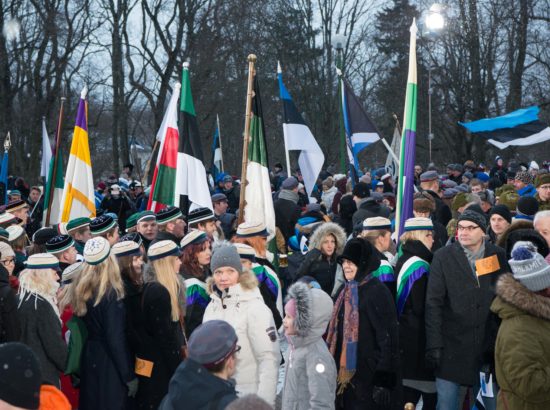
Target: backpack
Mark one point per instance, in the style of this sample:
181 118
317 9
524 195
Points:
77 340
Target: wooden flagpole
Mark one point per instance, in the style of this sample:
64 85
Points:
246 137
220 140
55 162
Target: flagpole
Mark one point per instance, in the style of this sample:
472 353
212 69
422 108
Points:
246 137
287 153
55 161
220 140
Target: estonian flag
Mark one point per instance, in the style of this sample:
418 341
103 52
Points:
519 128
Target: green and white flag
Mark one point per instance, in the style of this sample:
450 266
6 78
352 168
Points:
57 186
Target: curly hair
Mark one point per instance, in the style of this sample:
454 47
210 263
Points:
189 261
257 242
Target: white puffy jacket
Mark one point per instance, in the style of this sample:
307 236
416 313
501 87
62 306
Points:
258 361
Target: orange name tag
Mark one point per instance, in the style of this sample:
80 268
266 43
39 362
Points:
487 265
143 367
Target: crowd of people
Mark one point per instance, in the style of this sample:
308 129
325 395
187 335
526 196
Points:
140 310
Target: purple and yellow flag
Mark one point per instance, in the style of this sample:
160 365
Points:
78 191
407 155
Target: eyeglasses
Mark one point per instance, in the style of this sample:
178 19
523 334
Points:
467 228
6 261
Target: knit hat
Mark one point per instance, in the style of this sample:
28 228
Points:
145 216
529 267
96 250
59 244
16 205
77 223
289 183
246 251
126 248
361 190
225 254
43 235
503 211
418 224
199 215
132 236
510 200
102 224
6 218
71 272
131 222
527 206
524 177
376 223
250 229
212 342
475 217
193 237
6 251
162 249
15 231
20 376
42 261
168 214
459 201
542 179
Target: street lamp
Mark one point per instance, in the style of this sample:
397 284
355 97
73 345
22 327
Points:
434 21
338 41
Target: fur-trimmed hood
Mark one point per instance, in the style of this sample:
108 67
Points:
325 229
247 281
313 312
514 299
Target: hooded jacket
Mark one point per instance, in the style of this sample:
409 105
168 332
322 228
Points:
242 307
310 381
323 270
522 353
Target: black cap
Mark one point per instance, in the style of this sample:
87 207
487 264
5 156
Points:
361 190
475 217
168 214
43 235
212 342
503 211
59 243
200 215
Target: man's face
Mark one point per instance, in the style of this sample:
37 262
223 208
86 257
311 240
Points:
469 234
542 226
69 256
148 229
476 189
34 195
220 207
83 235
544 192
209 227
519 184
417 170
177 228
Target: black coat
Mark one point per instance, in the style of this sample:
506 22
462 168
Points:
106 365
10 330
377 349
194 387
286 216
442 213
412 328
160 342
457 311
320 268
369 209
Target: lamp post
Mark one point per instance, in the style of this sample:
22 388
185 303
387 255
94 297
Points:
338 41
434 22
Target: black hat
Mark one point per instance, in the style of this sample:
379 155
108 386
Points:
361 190
199 215
20 376
212 342
527 205
102 224
43 235
503 211
132 236
526 235
59 243
168 214
475 217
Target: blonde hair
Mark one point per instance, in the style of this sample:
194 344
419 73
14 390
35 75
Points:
18 244
167 277
98 280
372 235
417 235
36 281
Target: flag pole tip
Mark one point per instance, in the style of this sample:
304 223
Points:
279 69
252 58
177 86
186 65
339 72
84 92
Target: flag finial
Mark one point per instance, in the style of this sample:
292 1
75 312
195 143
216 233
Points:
279 69
414 28
84 92
186 65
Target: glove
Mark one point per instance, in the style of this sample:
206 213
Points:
433 358
132 387
381 396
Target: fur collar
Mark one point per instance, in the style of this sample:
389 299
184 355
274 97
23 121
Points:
513 292
325 229
247 280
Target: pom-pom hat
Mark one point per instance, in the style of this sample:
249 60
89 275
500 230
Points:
529 267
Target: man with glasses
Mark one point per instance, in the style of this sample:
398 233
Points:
542 183
461 288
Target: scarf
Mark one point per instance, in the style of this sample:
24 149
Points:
349 297
474 256
289 195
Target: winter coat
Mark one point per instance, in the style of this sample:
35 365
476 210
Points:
197 298
442 213
412 328
242 307
194 387
341 185
522 347
528 190
10 330
328 196
457 311
41 331
369 209
315 264
310 371
160 342
122 206
106 365
287 213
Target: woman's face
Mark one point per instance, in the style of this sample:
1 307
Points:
9 264
428 239
137 264
203 257
225 277
177 263
384 242
328 245
288 324
350 269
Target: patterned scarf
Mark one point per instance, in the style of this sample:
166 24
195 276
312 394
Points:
348 357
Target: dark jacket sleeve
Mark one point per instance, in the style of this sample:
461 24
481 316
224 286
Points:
10 329
49 331
418 296
435 299
312 256
115 336
158 314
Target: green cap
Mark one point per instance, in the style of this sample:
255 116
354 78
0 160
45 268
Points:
76 223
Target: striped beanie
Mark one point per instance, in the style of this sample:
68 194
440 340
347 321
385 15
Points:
418 224
126 248
193 237
162 249
42 261
246 251
376 223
